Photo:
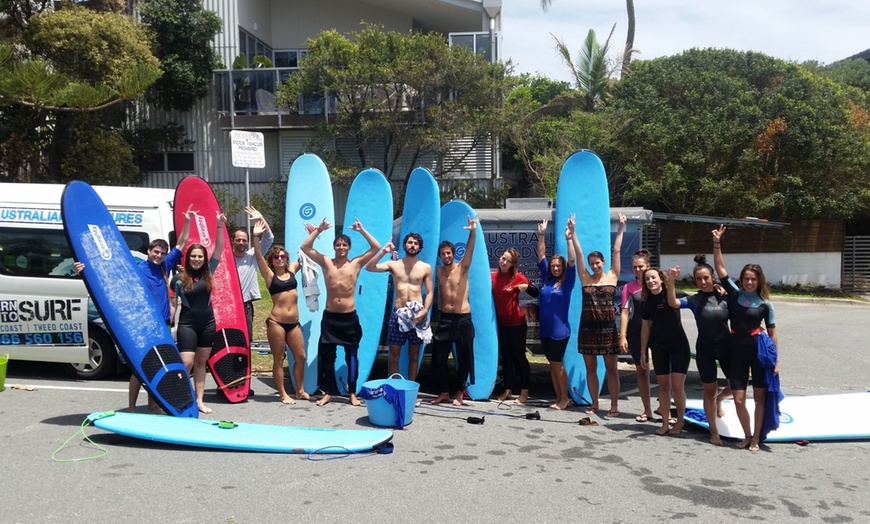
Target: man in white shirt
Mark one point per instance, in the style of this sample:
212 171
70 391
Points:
246 264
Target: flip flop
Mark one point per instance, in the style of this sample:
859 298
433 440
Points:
586 421
642 418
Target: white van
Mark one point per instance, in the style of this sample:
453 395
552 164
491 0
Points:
45 312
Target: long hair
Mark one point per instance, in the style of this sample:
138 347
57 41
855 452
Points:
275 250
763 289
189 273
641 254
646 292
512 251
564 268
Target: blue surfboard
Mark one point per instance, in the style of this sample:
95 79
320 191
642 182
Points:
309 200
122 297
582 190
454 219
240 436
371 201
421 214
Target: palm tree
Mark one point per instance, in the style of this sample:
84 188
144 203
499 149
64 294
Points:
593 70
629 37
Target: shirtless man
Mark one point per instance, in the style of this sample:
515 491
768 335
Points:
340 325
410 311
455 325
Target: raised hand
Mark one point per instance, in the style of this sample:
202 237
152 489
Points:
472 223
190 213
357 225
253 214
221 219
324 225
260 227
622 219
542 226
674 273
572 223
717 233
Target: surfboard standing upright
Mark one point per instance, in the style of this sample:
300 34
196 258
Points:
123 299
371 201
582 190
454 219
309 200
230 359
421 214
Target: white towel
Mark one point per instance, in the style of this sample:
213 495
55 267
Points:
405 316
310 286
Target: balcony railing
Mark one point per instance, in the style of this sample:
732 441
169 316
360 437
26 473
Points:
252 92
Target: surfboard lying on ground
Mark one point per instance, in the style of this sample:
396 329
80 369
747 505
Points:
240 436
124 301
454 219
309 200
371 201
230 359
421 214
814 417
583 191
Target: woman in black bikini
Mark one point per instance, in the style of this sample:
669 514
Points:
282 326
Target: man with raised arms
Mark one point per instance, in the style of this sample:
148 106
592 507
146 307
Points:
246 265
340 325
454 324
409 321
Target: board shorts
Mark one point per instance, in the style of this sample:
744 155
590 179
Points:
397 337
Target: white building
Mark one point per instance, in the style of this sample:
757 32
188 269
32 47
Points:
241 99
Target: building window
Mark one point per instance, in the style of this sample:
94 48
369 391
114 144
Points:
171 161
476 42
251 46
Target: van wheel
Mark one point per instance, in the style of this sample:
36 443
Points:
102 357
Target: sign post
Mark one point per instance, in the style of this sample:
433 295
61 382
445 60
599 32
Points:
248 150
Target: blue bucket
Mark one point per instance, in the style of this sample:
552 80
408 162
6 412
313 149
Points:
383 396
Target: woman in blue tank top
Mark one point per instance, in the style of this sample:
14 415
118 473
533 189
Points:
557 277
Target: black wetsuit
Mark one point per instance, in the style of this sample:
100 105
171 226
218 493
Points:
746 311
714 337
453 328
670 346
338 329
196 323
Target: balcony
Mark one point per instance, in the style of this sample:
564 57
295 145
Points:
245 99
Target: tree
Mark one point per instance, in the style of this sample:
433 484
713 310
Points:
55 65
185 32
629 35
733 133
594 70
401 97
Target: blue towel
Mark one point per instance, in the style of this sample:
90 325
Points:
393 397
767 358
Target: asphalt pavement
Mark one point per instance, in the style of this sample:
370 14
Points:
508 469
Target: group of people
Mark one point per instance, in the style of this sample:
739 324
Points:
409 322
729 317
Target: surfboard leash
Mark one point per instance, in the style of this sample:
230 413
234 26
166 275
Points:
322 454
85 423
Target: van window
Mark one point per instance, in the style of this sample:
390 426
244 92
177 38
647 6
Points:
46 253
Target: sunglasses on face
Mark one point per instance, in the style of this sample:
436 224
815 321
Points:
279 257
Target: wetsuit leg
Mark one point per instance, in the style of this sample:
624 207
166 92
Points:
351 359
507 357
326 367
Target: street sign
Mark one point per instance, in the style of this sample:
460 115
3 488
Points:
248 149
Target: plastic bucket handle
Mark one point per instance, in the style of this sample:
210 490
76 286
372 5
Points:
396 375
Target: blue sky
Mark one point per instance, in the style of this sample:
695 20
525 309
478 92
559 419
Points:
806 30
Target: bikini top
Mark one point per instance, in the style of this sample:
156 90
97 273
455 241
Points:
280 286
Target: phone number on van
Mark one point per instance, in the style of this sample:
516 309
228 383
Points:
64 337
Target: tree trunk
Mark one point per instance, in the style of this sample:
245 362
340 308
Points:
629 37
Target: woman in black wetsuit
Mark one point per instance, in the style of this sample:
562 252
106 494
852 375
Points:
748 306
714 339
196 322
662 331
282 326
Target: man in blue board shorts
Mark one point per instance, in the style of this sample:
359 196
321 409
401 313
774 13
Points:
340 325
410 319
155 272
454 324
246 265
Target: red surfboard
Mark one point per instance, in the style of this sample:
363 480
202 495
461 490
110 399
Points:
230 360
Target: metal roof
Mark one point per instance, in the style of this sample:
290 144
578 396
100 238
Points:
734 222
